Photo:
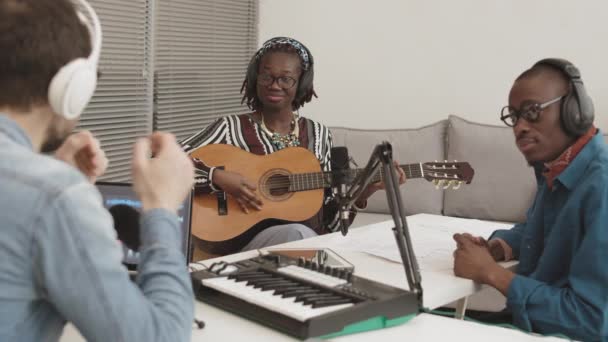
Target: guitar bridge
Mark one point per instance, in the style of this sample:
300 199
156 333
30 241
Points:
222 203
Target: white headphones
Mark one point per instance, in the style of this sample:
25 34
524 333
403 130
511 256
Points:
73 86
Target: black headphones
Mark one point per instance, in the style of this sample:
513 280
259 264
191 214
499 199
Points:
307 75
576 112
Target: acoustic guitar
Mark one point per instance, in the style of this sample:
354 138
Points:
291 185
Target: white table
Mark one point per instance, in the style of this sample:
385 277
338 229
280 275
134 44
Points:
440 287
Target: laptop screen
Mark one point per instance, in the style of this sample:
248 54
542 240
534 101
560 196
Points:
125 207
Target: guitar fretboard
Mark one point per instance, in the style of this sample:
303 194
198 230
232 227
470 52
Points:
318 180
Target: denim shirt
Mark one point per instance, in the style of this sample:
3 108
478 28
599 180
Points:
61 261
561 284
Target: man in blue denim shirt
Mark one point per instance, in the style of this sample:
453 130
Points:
60 257
561 284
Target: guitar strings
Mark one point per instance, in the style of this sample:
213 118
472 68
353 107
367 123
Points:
416 172
314 176
312 179
306 179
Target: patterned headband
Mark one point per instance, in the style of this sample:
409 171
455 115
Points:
301 50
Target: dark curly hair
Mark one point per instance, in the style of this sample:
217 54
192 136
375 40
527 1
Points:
305 90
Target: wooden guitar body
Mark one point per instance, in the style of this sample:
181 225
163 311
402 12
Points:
229 229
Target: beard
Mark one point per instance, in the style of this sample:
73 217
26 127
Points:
51 145
56 134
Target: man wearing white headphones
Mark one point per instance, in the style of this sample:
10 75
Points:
60 257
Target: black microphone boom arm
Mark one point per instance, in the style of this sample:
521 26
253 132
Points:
382 156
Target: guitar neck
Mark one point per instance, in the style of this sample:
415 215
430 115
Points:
311 181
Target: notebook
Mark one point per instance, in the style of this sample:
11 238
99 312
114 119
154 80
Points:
120 198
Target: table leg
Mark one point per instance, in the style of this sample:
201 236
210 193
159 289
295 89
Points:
461 308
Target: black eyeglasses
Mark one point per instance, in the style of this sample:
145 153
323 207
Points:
530 111
284 82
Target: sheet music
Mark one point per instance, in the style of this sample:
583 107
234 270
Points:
431 237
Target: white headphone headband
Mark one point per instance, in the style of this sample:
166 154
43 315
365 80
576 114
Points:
94 27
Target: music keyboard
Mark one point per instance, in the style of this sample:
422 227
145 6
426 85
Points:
302 299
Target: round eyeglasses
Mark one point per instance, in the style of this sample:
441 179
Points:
284 82
530 111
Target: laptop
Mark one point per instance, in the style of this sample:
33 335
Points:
120 198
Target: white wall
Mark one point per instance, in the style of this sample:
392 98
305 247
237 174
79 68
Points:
407 63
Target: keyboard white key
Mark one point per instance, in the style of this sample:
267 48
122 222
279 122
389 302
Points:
266 299
312 276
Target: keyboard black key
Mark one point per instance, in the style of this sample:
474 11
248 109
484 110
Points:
261 282
304 297
299 292
290 288
252 279
277 285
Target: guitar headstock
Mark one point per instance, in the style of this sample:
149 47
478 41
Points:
448 174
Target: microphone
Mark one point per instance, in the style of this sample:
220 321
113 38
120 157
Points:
340 179
126 224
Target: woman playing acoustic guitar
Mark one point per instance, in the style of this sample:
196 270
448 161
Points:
279 81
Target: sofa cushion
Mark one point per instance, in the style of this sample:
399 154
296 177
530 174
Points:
409 146
338 135
503 186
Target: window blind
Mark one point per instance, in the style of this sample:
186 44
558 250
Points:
121 108
202 48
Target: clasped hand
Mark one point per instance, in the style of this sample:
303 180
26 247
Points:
474 256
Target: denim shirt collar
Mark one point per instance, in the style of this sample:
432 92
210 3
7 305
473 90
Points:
14 132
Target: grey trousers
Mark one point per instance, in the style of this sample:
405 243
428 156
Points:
279 234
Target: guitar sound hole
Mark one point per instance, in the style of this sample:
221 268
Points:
278 185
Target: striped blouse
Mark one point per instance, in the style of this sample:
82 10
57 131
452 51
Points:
245 132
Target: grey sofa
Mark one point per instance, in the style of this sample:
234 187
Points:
502 188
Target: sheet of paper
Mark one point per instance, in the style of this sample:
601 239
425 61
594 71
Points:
431 238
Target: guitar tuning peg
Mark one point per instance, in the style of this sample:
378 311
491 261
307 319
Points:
457 186
447 185
438 184
455 161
